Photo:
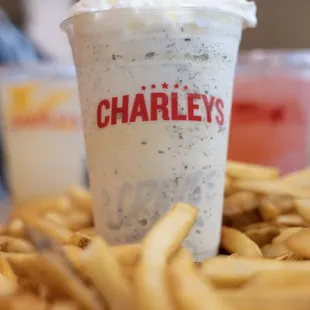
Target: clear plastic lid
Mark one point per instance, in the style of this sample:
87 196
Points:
273 62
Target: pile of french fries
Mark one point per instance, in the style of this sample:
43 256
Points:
52 259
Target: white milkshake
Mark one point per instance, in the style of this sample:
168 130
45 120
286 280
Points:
155 86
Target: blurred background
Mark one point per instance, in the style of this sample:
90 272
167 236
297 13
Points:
282 24
40 111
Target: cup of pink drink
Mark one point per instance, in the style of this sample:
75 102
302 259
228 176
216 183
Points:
271 108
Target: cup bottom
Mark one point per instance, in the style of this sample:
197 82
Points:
200 257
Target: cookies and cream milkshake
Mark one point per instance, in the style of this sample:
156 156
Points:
155 80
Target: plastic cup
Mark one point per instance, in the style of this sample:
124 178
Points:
41 128
271 110
156 89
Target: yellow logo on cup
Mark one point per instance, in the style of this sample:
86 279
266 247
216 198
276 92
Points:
27 109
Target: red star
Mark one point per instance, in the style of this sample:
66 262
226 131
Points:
153 86
176 86
185 87
143 88
165 85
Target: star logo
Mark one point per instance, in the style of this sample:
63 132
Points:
176 86
165 85
143 88
185 87
153 86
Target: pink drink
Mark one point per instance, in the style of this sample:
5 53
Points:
270 114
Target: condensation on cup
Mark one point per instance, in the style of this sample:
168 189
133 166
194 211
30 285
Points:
42 131
155 89
271 109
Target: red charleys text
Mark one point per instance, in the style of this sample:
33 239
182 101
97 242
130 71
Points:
166 107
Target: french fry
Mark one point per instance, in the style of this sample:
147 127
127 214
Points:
64 305
16 228
74 255
289 256
166 237
74 220
55 276
291 220
268 211
299 243
235 241
258 225
6 270
127 255
129 272
266 230
302 207
99 260
240 221
240 202
89 231
189 289
285 234
20 301
299 178
7 287
53 230
268 299
15 245
175 226
40 206
40 290
279 279
235 271
262 236
151 287
275 250
78 219
80 240
80 198
55 217
284 204
273 188
17 259
244 171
